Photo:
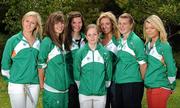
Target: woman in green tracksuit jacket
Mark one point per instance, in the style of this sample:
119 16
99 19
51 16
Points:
53 74
19 62
75 39
130 67
109 35
92 71
161 71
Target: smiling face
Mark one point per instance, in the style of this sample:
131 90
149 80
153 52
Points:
92 36
58 28
76 24
150 30
106 25
29 23
124 26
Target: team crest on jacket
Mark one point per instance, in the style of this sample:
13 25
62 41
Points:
88 58
24 44
98 58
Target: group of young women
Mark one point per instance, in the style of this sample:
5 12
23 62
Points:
106 65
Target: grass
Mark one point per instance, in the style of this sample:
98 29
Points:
174 99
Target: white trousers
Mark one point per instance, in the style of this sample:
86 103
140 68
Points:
18 95
92 101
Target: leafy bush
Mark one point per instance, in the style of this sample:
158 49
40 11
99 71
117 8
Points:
18 8
3 38
167 10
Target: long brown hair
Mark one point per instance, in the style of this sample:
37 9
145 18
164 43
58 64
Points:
70 16
49 28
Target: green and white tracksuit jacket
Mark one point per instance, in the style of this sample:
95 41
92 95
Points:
130 55
112 47
53 60
19 60
93 70
75 45
70 55
161 70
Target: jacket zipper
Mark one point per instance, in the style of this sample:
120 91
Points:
93 71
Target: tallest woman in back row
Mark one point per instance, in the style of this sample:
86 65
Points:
130 67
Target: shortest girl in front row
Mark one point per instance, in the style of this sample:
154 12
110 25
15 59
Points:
92 71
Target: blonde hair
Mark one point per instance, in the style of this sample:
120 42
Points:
92 26
128 16
38 31
158 25
113 20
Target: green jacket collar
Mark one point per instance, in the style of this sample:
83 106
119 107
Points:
97 47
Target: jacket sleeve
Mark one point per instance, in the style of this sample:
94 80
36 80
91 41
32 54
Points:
69 61
170 65
108 66
43 53
77 66
140 51
6 59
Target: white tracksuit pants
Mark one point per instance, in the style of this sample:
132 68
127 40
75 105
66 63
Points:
92 101
18 95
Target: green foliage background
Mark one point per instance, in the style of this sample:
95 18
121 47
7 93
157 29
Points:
167 10
18 8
